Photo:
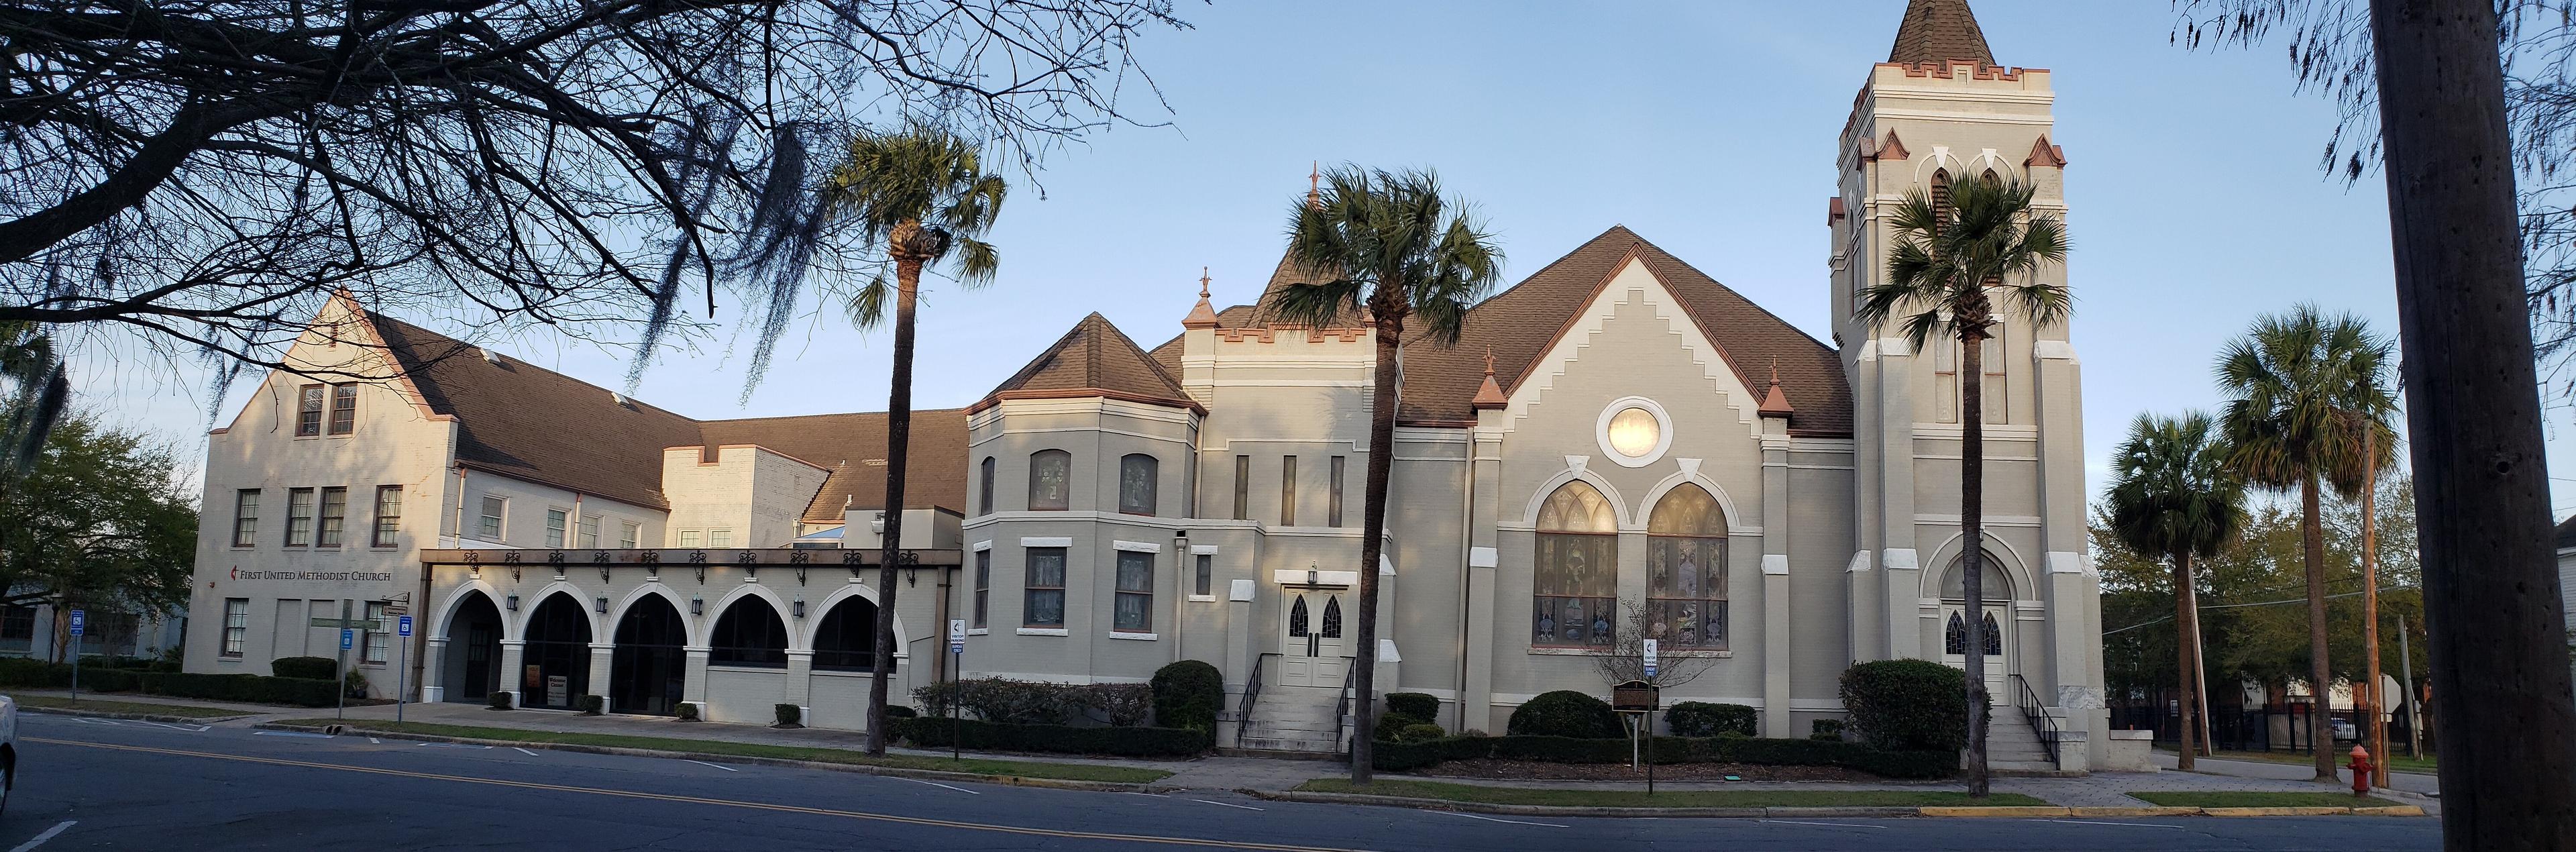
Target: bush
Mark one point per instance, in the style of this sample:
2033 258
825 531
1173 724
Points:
898 711
498 700
355 684
687 712
1066 739
1021 702
591 705
1418 705
1703 719
1832 727
1565 713
1419 733
792 716
1188 694
317 668
1403 754
1907 705
1122 705
1392 723
246 688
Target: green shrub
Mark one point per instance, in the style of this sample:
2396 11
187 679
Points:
1703 719
498 700
1907 705
1022 702
317 668
792 716
1402 754
1831 727
898 711
591 705
687 712
245 688
356 683
1122 705
1188 694
1418 705
1566 713
1066 739
1419 733
1392 723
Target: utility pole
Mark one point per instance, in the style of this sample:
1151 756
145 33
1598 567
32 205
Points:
2370 599
2414 718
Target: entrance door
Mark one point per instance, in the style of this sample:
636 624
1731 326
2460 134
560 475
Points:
557 655
648 669
1312 650
1954 645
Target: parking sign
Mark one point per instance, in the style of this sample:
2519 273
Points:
80 621
348 638
402 627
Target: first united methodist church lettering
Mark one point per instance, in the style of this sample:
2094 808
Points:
1617 445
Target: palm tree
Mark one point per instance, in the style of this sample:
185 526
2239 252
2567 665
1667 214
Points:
1950 262
1388 243
2173 495
2309 391
921 196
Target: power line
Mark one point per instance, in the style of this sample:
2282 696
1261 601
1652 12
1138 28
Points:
2235 605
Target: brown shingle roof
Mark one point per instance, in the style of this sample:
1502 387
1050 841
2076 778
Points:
513 418
1095 356
853 448
1940 31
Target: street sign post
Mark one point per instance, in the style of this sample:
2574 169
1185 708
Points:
402 666
1650 659
80 624
956 674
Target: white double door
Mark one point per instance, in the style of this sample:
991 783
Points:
1313 648
1998 645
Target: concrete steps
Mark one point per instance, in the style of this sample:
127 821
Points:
2013 746
1295 719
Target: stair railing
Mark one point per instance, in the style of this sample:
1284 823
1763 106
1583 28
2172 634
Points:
1342 707
2041 723
1251 694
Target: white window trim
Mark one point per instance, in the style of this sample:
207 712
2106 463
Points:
1136 546
981 546
978 631
1044 631
1140 637
1203 550
1663 431
1052 541
1203 599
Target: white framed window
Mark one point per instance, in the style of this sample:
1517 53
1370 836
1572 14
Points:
1044 587
688 538
388 516
628 534
236 625
719 538
488 526
335 517
1992 397
377 639
588 531
1133 610
983 586
1203 576
1575 574
555 519
245 517
299 517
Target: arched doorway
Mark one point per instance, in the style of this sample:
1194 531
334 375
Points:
473 659
1995 594
650 666
750 633
847 641
556 665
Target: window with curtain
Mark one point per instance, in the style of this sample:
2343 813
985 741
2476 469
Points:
984 486
1575 575
1133 611
1686 570
1136 477
236 625
1043 605
1050 480
245 517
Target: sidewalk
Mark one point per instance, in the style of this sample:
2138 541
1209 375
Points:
2406 782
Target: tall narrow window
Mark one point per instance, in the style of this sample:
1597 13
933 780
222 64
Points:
1333 500
335 517
1288 491
1044 604
1133 611
236 625
377 638
344 409
245 517
628 534
308 411
388 516
488 525
1243 488
1575 576
1686 570
588 532
1945 378
1204 583
1941 206
984 488
1050 480
1136 477
983 586
299 517
555 527
1991 395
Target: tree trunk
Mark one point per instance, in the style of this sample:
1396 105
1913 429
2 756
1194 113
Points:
2375 725
1972 507
2473 412
2312 539
1381 467
2187 659
907 276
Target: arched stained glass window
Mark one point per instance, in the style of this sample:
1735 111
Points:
1298 617
1954 638
1333 617
1994 637
1050 480
1997 585
1686 569
1575 574
1136 473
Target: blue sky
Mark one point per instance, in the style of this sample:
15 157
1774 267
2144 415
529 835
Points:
1707 127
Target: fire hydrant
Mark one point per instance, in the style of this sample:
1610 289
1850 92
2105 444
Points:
2361 770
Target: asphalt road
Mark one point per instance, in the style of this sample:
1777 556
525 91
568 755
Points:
89 783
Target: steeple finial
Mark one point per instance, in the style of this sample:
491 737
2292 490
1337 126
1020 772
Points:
1775 403
1489 394
1203 282
1315 185
1202 315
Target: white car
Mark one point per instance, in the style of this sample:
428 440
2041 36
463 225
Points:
8 748
2344 729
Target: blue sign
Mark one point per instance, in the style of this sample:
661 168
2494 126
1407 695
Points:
348 638
403 627
80 620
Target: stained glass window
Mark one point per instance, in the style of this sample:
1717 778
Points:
1954 638
1050 480
1298 618
1134 607
1333 617
1575 574
1686 570
1136 484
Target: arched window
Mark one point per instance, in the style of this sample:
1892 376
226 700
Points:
1574 577
1136 477
847 641
1050 480
1996 585
749 633
1686 570
1942 208
984 488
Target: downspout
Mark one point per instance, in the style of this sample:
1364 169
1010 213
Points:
1466 572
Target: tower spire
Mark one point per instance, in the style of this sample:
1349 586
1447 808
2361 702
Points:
1940 31
1489 394
1315 185
1202 315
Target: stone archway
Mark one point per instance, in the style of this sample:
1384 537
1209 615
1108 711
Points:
555 665
648 671
470 665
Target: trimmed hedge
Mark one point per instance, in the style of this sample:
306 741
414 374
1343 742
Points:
245 688
1187 694
1066 739
1390 727
1703 719
314 668
1908 704
899 711
1405 756
1566 713
792 716
1419 705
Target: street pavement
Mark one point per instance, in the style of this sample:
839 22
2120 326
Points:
99 783
2420 783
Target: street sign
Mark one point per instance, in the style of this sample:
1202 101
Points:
348 639
957 636
403 627
1650 659
80 621
341 623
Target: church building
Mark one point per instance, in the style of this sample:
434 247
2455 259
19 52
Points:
1617 445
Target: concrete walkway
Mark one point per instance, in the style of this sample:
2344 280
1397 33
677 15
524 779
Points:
2405 782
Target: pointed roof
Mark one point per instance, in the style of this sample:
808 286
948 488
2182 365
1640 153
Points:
1940 31
1775 403
1202 315
2044 154
1489 394
1092 359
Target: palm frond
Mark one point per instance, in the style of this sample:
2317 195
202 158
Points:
1387 241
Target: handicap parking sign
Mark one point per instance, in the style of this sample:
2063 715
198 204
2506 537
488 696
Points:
348 638
80 620
402 627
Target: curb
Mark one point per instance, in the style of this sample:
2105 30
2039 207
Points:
853 768
138 717
1873 812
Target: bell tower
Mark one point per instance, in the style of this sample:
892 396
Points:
1942 109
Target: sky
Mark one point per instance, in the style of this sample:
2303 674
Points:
2196 201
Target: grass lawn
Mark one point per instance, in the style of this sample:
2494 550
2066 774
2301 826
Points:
2426 764
50 702
1663 799
1025 769
2248 799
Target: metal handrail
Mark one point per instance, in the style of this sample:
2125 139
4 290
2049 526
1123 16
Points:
1342 707
2041 722
1251 693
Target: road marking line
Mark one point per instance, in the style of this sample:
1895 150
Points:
298 734
958 789
375 741
91 720
1146 795
39 840
697 800
2120 824
1492 819
523 751
1228 805
725 768
456 745
1831 824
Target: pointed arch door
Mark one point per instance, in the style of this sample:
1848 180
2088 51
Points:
1314 647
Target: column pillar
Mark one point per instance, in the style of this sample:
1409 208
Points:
799 689
1775 576
601 653
513 681
1894 442
433 671
1485 476
694 690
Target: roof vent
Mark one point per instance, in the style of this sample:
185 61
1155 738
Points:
490 357
616 397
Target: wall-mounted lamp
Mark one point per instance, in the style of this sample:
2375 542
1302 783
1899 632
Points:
697 605
600 606
797 606
513 602
877 524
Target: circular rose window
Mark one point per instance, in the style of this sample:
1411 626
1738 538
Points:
1635 431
